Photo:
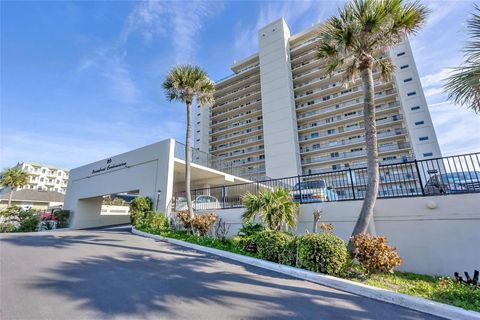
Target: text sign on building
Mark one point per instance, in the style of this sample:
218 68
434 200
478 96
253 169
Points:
109 166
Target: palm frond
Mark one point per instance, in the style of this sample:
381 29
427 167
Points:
386 66
463 87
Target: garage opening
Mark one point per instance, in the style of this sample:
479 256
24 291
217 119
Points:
104 210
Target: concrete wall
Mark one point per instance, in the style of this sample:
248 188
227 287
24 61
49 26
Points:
148 170
434 235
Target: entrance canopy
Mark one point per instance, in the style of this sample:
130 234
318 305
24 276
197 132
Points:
156 171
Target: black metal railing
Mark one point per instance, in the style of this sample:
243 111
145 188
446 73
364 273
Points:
439 176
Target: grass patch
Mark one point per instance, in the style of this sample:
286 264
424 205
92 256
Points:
439 289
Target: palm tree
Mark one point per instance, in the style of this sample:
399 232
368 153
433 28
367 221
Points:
186 84
13 178
463 85
356 42
275 207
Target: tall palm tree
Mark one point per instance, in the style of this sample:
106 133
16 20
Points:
13 178
186 84
276 208
356 42
463 85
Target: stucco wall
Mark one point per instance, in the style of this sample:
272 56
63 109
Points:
434 235
148 170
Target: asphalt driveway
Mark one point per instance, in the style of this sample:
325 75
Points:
112 274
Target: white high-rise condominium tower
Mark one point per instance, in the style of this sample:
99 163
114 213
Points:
281 115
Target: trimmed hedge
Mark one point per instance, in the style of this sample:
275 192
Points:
322 252
276 246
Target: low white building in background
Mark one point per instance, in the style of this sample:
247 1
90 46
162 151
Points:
44 177
36 199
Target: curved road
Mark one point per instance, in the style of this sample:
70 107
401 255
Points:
112 274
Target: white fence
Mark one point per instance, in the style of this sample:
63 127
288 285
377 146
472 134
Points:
434 235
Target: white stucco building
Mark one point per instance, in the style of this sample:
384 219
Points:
280 115
44 177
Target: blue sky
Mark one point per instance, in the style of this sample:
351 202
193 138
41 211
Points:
82 80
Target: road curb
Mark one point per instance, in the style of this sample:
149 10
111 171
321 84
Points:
407 301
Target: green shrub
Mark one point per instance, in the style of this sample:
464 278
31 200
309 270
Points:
140 210
157 221
62 217
247 236
249 229
16 219
322 252
276 246
374 254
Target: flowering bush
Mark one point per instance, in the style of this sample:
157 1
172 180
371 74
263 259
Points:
203 222
185 219
374 254
327 227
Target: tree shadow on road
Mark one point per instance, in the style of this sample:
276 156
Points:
174 286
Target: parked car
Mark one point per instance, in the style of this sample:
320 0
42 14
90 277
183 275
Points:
454 182
200 203
313 191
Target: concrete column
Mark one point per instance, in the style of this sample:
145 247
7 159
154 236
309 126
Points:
282 154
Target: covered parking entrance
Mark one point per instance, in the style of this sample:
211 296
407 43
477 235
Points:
155 171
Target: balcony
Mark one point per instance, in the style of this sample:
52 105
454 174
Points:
254 95
334 132
232 76
354 154
336 144
379 98
238 126
251 86
340 119
246 106
238 143
240 116
235 135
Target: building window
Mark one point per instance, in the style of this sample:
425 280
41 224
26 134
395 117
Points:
419 123
415 108
411 93
314 135
407 80
428 154
423 138
401 54
405 66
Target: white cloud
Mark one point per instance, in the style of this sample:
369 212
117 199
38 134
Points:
87 141
435 79
301 14
182 20
456 128
150 20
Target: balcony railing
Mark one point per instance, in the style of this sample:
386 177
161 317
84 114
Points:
213 162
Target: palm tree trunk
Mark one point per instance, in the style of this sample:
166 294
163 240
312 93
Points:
10 198
366 212
187 159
